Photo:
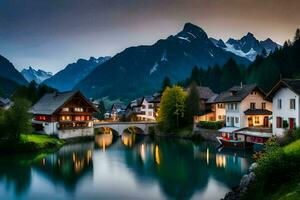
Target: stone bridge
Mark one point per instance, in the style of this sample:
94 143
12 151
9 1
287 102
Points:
120 127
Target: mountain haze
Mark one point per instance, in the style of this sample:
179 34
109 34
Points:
67 78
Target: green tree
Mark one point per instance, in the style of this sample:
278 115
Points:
172 107
166 83
16 121
192 103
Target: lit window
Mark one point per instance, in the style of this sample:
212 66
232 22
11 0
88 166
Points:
78 109
65 109
256 120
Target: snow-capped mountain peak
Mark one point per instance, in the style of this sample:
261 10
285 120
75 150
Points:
30 74
248 46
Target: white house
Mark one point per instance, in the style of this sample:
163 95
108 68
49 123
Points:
285 96
146 109
246 107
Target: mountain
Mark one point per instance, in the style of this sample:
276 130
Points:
8 71
38 76
7 87
67 78
139 70
248 46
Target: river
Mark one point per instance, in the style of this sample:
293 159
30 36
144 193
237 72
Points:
127 167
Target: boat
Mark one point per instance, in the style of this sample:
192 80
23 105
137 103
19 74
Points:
242 138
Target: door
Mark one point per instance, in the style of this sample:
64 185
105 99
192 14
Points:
250 121
266 121
292 123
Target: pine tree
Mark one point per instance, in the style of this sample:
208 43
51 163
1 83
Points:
166 83
297 35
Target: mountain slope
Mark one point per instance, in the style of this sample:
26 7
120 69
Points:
38 76
7 86
67 78
140 70
248 46
8 71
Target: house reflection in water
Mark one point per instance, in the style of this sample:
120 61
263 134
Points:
222 159
104 140
128 139
69 164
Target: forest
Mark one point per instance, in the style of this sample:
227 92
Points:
265 71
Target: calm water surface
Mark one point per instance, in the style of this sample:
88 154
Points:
130 167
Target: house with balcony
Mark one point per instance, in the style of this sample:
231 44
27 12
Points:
248 115
286 111
65 115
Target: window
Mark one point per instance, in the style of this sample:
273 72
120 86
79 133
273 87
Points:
256 120
236 120
78 109
292 104
252 105
221 105
279 103
278 122
263 105
228 119
65 109
40 118
65 118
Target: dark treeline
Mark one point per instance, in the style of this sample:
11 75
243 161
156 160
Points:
264 71
32 92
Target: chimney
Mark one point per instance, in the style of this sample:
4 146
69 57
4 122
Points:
241 84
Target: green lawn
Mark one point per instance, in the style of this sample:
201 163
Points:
293 149
41 141
31 143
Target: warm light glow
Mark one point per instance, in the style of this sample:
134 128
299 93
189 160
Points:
220 160
207 156
142 152
157 156
74 157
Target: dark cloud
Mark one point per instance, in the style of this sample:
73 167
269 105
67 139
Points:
51 33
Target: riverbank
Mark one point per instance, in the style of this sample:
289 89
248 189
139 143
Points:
276 176
31 143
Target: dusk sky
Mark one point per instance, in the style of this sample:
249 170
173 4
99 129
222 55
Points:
49 34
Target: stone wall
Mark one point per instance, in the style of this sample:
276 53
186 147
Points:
73 133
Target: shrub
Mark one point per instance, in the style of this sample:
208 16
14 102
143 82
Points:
211 125
285 124
290 136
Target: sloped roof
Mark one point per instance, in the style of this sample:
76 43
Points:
292 84
51 102
205 92
258 112
236 93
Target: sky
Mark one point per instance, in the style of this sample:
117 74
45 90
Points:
49 34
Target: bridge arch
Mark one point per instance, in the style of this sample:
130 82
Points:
119 127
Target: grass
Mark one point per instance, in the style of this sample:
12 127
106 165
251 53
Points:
279 174
32 143
292 149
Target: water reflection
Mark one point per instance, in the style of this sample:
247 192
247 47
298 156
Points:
132 166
